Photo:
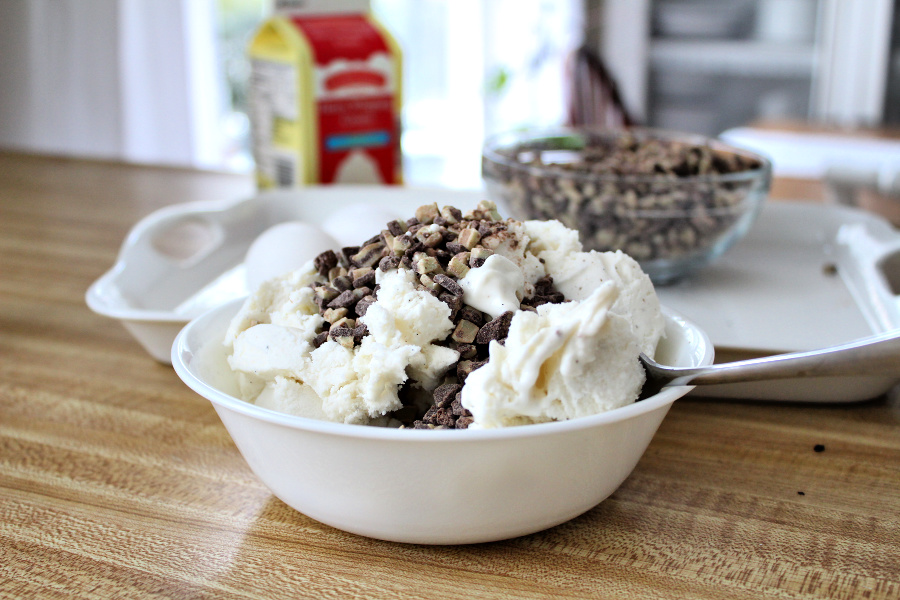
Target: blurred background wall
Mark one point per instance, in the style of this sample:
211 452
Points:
163 81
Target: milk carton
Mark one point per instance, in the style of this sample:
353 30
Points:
325 96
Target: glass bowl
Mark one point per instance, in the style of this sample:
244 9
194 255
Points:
673 201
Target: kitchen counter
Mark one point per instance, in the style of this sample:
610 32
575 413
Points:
117 481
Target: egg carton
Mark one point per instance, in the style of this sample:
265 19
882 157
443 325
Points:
184 259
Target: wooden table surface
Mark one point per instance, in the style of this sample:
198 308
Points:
117 481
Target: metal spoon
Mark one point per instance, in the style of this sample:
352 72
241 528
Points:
875 355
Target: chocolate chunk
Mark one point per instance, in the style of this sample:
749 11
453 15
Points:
425 214
464 367
342 335
320 339
454 302
442 255
458 409
464 422
444 394
455 247
346 253
496 329
364 303
375 239
333 315
368 255
445 417
359 332
345 299
342 283
389 262
366 280
449 284
465 332
467 351
396 228
325 261
471 314
452 214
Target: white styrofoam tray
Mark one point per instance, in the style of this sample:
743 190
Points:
806 276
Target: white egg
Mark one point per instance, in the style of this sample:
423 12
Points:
284 248
354 224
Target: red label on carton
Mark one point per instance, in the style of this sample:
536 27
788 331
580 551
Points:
354 89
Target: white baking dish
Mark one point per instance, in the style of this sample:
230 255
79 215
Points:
806 276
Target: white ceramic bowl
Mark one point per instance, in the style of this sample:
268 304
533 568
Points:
433 487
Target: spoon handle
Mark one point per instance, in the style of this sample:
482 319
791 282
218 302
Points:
875 355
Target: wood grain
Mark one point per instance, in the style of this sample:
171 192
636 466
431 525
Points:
117 481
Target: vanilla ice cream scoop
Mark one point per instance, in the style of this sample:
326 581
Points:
449 320
495 287
563 361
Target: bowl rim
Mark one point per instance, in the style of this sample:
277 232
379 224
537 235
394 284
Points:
492 143
181 351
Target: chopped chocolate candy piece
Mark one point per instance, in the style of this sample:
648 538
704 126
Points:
467 351
389 262
457 266
430 239
375 239
468 238
456 248
458 409
359 332
366 280
442 255
497 329
324 294
452 214
343 322
471 314
368 255
396 228
320 339
333 315
445 417
464 422
465 332
342 335
345 299
342 283
388 239
426 214
444 394
489 210
360 293
403 243
346 253
464 367
454 302
364 303
426 282
427 264
336 272
430 413
449 284
324 262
